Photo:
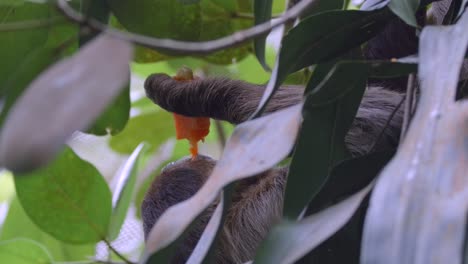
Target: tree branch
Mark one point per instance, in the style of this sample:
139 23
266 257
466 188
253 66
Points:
182 47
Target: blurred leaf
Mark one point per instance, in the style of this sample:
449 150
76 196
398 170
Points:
254 147
307 44
153 128
290 240
18 225
418 208
175 20
76 90
123 193
74 201
262 10
328 113
29 68
115 117
23 251
406 10
16 45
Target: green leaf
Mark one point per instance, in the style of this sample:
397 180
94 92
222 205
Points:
290 240
18 225
74 201
376 69
153 128
218 22
63 36
262 11
308 44
162 18
322 6
328 113
28 69
16 45
229 5
124 190
406 10
349 177
23 251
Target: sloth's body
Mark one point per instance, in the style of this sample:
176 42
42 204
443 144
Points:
257 201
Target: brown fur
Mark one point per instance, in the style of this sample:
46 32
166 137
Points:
257 201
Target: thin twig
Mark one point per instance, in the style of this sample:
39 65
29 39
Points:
30 24
387 123
408 105
182 47
116 252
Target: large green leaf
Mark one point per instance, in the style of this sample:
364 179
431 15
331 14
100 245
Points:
28 69
23 251
308 43
217 22
328 113
322 6
16 45
161 18
18 225
348 177
68 199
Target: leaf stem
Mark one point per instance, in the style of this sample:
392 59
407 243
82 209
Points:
116 252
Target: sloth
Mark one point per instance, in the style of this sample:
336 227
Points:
257 201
